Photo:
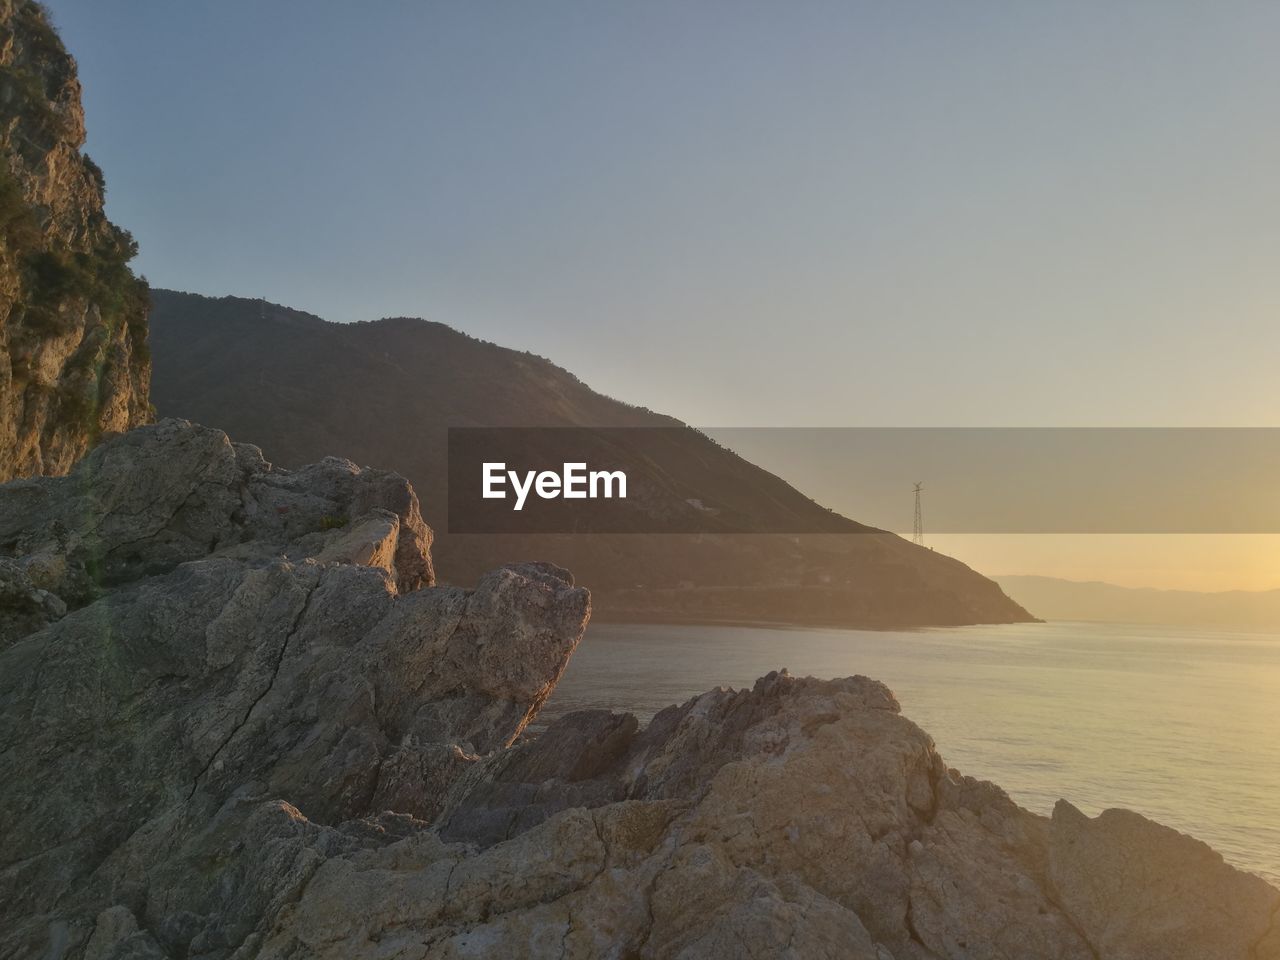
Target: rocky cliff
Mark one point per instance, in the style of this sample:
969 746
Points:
73 354
238 721
191 632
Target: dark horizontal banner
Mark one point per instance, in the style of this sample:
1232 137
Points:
974 480
617 480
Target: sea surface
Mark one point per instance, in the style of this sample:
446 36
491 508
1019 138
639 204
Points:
1179 724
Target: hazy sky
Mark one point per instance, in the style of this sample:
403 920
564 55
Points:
739 213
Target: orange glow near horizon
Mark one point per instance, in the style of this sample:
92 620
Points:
1201 562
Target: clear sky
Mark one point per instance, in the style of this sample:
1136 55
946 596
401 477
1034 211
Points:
739 213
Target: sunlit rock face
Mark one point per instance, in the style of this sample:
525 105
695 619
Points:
74 364
802 818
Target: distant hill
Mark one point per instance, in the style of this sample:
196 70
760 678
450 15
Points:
385 392
1056 599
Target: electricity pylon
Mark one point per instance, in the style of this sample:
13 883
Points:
917 532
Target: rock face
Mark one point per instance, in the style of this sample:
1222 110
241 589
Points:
164 494
1121 865
238 722
802 818
73 355
195 633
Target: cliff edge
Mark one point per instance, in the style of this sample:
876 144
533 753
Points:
73 318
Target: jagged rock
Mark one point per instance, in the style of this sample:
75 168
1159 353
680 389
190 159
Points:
1131 884
74 361
242 634
802 818
175 491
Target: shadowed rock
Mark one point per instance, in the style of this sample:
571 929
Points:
242 634
172 492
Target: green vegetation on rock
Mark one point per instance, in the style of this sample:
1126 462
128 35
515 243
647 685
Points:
74 359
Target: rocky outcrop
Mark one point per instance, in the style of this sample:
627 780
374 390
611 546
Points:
198 633
172 492
74 364
237 722
802 818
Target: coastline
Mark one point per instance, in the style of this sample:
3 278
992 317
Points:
659 618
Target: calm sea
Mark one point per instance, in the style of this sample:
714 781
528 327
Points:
1182 725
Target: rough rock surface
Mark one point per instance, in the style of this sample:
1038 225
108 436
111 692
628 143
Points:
194 634
236 724
73 318
171 492
1121 865
802 818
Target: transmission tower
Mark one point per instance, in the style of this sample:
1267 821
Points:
917 532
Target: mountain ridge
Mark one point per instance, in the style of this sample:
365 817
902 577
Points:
385 391
1058 598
